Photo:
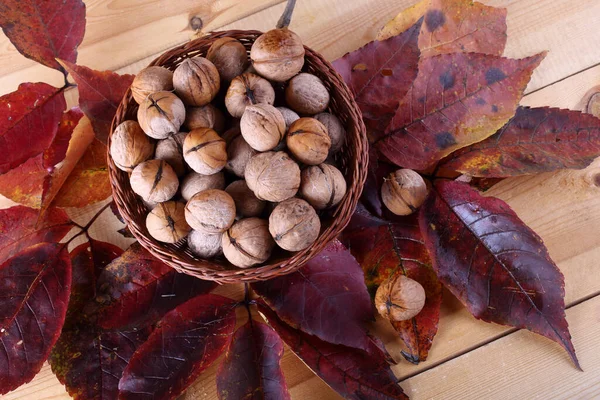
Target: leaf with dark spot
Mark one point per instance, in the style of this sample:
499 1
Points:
496 266
186 342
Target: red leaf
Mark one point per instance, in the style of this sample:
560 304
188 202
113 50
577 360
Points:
327 298
138 287
385 248
457 100
44 30
58 149
380 73
186 342
371 195
535 140
252 366
351 372
31 117
35 287
100 93
18 229
90 362
496 265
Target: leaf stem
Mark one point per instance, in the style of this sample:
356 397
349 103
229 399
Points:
95 217
247 301
286 17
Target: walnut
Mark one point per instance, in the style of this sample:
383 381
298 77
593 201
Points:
232 133
246 203
196 81
306 94
245 90
194 183
308 141
130 146
166 222
278 54
207 116
151 80
262 126
399 298
154 181
289 116
294 225
273 176
403 191
229 56
210 211
161 115
205 151
248 242
238 154
204 245
171 150
323 186
335 130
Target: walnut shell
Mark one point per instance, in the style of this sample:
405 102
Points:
308 141
196 81
166 222
403 191
205 151
399 298
229 56
246 203
335 130
161 115
207 116
239 153
248 242
278 54
171 150
323 186
289 116
130 146
154 181
262 126
294 225
273 176
151 80
194 183
211 211
306 94
204 245
245 90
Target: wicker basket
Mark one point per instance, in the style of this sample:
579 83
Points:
352 159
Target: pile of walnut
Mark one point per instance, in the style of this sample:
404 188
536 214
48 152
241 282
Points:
258 184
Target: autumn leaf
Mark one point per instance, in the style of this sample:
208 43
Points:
453 26
44 30
327 298
496 266
35 286
384 248
457 100
380 73
252 365
186 342
100 93
535 140
353 373
137 289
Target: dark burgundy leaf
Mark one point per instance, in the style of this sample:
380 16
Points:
125 232
377 171
353 373
535 140
186 342
35 287
252 366
137 288
58 149
44 30
385 248
457 99
327 298
497 266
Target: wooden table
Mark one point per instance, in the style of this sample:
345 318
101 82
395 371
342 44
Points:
469 359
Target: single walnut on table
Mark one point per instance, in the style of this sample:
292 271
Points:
399 298
403 191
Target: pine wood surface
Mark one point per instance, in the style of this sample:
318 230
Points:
469 359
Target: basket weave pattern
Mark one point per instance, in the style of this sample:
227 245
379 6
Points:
352 160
